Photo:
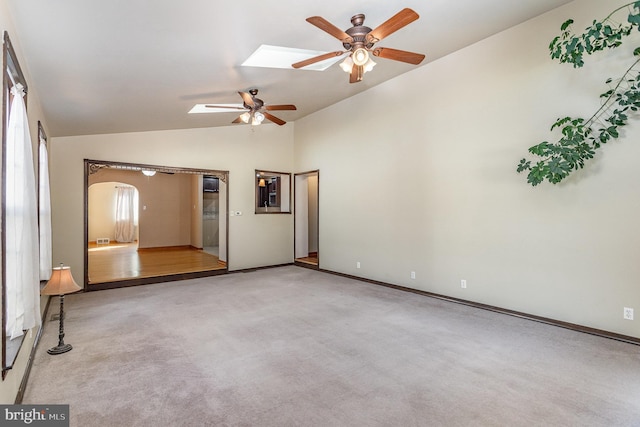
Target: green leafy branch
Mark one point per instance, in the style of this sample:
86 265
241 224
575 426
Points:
581 138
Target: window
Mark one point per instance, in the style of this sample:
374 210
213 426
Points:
12 76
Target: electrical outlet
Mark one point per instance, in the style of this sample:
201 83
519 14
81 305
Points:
413 274
628 313
463 284
357 264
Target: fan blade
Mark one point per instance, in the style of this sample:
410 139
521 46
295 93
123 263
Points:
273 118
398 55
279 107
317 59
237 120
328 27
225 106
247 98
356 73
391 25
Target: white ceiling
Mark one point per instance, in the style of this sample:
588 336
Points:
136 65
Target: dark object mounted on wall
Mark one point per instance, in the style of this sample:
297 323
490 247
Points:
210 184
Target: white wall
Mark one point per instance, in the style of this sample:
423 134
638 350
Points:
433 188
254 240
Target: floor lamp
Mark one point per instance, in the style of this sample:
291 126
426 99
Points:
61 283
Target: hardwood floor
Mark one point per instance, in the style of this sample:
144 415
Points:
124 261
311 259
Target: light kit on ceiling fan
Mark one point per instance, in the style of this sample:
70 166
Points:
359 41
258 117
360 58
255 109
255 118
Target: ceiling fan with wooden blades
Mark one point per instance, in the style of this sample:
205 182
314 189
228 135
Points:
359 41
255 111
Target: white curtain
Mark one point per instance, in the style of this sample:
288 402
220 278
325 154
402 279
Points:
45 214
22 253
125 226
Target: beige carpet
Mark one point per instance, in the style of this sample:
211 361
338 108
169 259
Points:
291 346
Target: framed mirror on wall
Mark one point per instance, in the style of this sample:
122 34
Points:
14 84
174 226
273 192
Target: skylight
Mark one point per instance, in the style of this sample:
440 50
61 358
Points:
282 57
201 108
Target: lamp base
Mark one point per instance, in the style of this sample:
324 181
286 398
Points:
60 349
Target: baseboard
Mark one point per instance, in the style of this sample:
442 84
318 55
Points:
32 355
572 326
306 265
165 248
151 280
249 270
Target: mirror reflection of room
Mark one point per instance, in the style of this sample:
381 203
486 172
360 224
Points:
269 191
272 192
151 223
210 214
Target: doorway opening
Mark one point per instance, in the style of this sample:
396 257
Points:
306 213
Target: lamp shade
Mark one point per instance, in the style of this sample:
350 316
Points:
261 183
61 282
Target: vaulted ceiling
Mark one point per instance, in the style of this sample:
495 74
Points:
136 65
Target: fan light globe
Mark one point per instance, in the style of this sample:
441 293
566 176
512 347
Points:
347 64
257 118
369 65
360 56
245 117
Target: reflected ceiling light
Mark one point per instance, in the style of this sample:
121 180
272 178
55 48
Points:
148 172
